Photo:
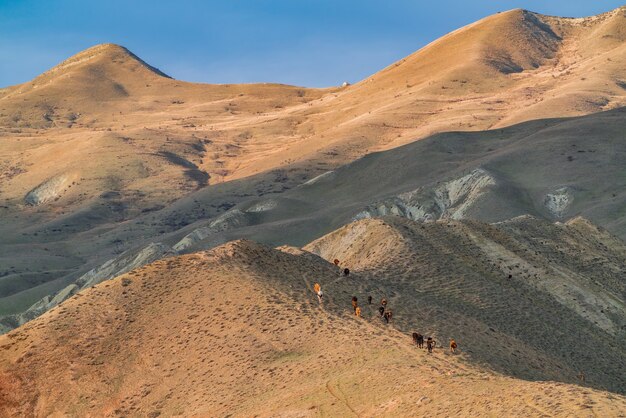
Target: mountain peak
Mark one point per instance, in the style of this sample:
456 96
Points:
103 54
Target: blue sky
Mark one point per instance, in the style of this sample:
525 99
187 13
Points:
304 42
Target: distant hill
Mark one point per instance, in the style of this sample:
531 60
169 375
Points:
553 169
131 127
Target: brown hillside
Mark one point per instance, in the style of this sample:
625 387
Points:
104 154
506 68
532 299
237 331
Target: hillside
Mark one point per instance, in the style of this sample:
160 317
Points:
553 169
244 334
532 299
103 155
104 121
138 130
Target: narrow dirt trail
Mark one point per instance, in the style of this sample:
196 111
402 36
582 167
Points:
343 400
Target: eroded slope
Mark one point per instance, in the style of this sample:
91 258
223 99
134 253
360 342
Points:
522 294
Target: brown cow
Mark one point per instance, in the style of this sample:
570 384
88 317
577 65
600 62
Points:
418 340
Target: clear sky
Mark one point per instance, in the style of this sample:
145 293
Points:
304 42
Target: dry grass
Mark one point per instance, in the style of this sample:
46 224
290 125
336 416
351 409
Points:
237 330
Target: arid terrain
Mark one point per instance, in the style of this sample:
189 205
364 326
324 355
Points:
160 238
104 154
238 330
547 169
156 134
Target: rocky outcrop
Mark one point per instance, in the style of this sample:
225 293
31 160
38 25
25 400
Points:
449 200
126 262
263 206
559 201
234 218
49 190
326 175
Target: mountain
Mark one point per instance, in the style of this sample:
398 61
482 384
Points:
505 69
545 168
104 155
184 134
552 169
238 330
161 239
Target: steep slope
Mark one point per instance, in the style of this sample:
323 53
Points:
507 68
245 336
521 294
